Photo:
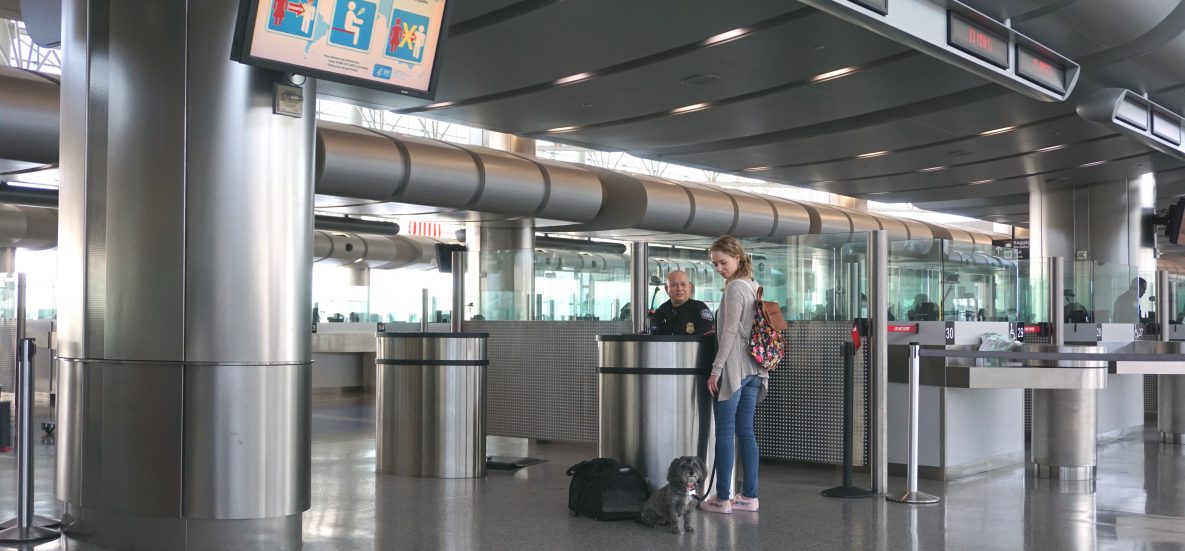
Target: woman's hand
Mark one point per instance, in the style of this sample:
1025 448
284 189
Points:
714 384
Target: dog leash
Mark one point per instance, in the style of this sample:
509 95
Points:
711 481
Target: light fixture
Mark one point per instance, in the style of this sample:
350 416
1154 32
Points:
932 169
997 131
978 182
726 36
871 155
690 108
832 74
439 105
562 129
572 79
1096 163
1051 148
757 169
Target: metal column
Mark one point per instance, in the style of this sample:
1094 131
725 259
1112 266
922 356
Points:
639 313
7 260
1057 300
1170 389
184 367
878 312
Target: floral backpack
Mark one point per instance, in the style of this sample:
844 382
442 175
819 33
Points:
765 343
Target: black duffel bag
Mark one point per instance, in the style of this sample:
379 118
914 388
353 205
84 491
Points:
606 490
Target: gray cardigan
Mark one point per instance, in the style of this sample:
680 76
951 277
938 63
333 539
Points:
734 327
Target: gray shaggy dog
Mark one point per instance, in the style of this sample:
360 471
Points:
675 500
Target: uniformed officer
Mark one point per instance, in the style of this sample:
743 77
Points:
681 315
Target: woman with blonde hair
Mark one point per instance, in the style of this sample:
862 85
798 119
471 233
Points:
737 380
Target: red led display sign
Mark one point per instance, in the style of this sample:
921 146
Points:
878 6
1040 69
977 40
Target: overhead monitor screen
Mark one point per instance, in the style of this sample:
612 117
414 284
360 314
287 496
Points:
1040 69
1166 127
389 45
977 40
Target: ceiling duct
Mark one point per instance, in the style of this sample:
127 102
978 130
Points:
379 252
28 120
28 227
357 167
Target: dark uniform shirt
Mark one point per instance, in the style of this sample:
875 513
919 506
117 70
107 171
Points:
690 318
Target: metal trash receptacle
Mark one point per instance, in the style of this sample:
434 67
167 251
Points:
431 404
654 401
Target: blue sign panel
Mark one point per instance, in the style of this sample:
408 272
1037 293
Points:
293 17
353 24
408 36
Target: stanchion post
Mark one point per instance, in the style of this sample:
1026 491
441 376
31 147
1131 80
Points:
24 528
912 495
848 350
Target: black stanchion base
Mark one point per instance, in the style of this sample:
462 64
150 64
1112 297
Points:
33 534
847 492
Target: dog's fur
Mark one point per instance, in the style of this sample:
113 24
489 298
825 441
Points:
675 500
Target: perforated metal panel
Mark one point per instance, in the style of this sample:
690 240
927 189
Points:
542 384
801 419
542 379
1150 394
1032 339
8 355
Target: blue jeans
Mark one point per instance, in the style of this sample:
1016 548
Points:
734 423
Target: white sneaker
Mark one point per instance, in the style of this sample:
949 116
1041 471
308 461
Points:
716 505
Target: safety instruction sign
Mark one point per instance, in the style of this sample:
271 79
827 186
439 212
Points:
385 41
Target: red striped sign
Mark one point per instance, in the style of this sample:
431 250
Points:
422 229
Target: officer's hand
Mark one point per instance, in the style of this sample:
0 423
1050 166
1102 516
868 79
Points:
714 384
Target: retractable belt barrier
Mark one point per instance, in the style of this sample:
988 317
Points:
912 495
846 490
26 527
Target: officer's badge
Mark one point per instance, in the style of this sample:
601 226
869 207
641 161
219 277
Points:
690 328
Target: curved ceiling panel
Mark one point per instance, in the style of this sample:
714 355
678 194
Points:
353 162
438 176
831 219
573 193
917 230
511 184
794 218
894 227
755 215
28 118
712 211
668 207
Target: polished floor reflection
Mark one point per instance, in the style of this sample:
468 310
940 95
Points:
1137 503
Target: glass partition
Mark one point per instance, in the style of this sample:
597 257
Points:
8 298
571 285
1177 281
1032 291
934 279
344 294
814 277
1105 292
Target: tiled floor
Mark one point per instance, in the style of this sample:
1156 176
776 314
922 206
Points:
1138 503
